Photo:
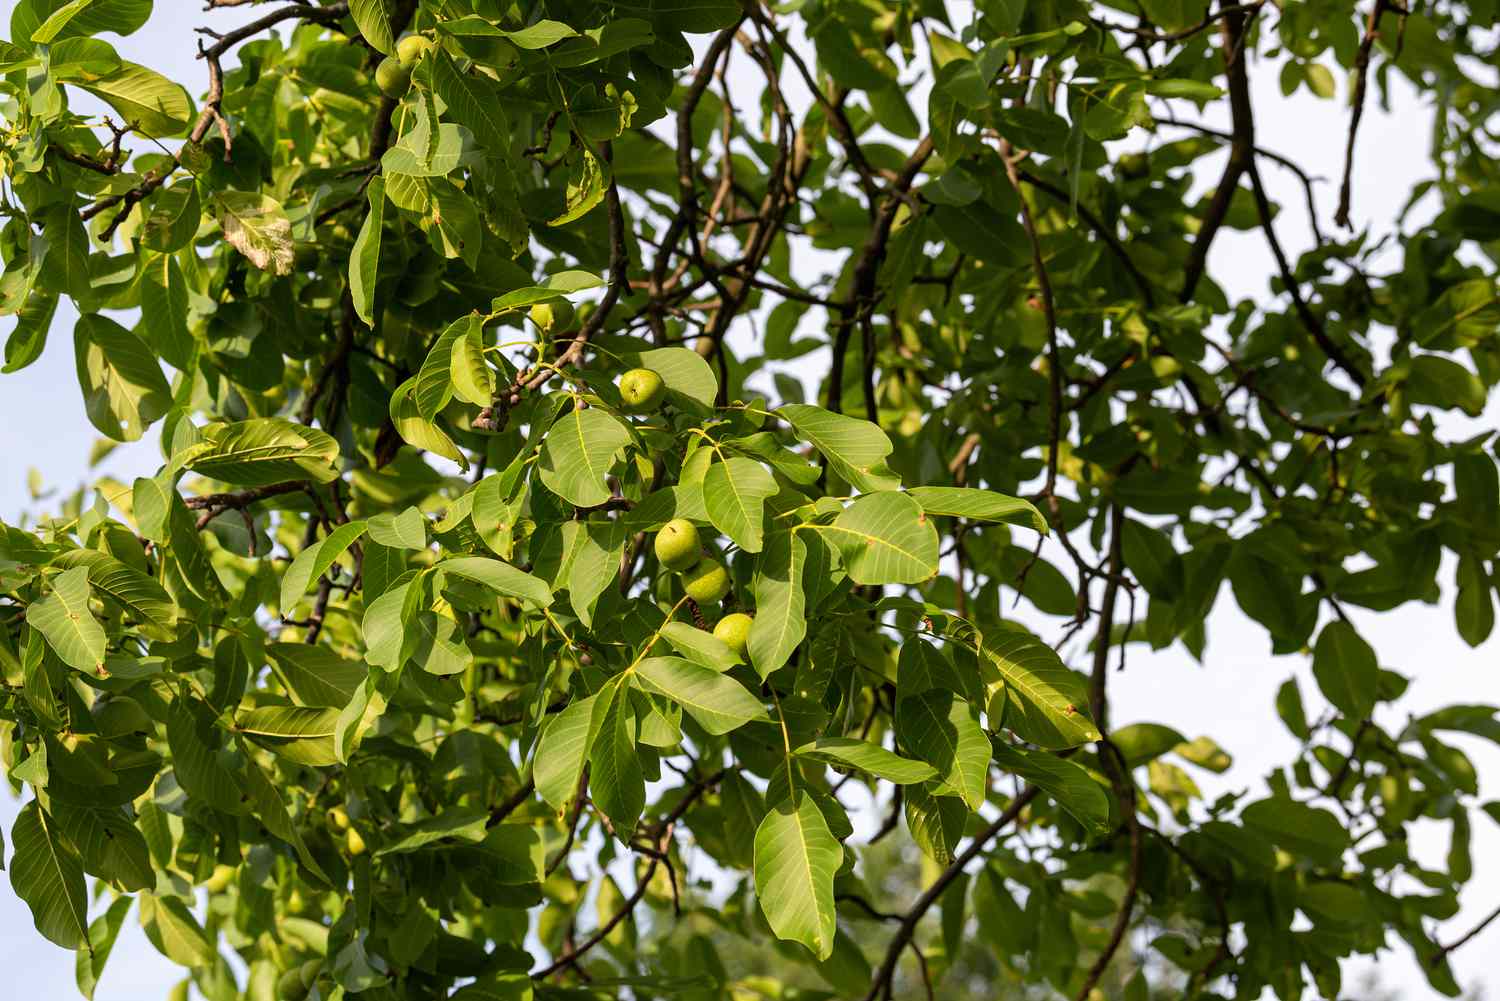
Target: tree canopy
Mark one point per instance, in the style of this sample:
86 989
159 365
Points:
604 446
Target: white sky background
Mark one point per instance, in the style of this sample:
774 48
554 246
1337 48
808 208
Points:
42 425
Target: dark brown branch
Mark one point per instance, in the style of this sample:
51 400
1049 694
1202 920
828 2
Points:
882 981
211 114
1054 357
1110 758
863 294
213 505
1309 319
1357 108
1241 147
1444 951
516 800
627 908
1147 35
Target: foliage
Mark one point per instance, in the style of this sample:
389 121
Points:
385 657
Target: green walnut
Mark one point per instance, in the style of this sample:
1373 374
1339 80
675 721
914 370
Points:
677 545
734 631
290 987
707 582
642 390
354 842
1133 165
393 79
411 48
554 314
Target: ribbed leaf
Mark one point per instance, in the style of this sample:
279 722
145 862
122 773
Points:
780 603
855 449
979 505
885 538
734 494
868 757
256 225
616 784
700 646
195 742
1046 703
364 259
499 577
171 927
434 385
64 618
796 857
577 455
263 451
316 676
418 431
124 390
562 751
89 965
46 873
109 845
718 702
939 728
146 99
138 595
314 561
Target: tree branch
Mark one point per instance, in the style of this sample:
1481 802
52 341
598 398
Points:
882 981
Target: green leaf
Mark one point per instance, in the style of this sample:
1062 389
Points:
855 449
315 675
434 385
145 98
1074 789
885 538
473 382
562 751
314 561
540 34
474 103
867 757
1045 702
46 873
256 226
105 929
1306 830
979 505
719 703
57 21
939 728
780 602
174 931
1474 607
196 743
288 721
65 267
586 181
406 530
65 619
109 844
700 646
138 595
734 494
417 430
271 811
1442 382
1152 559
1345 667
364 259
796 858
461 824
577 455
684 371
616 784
499 577
124 390
936 822
264 451
373 18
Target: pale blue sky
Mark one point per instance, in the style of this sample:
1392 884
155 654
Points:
42 426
